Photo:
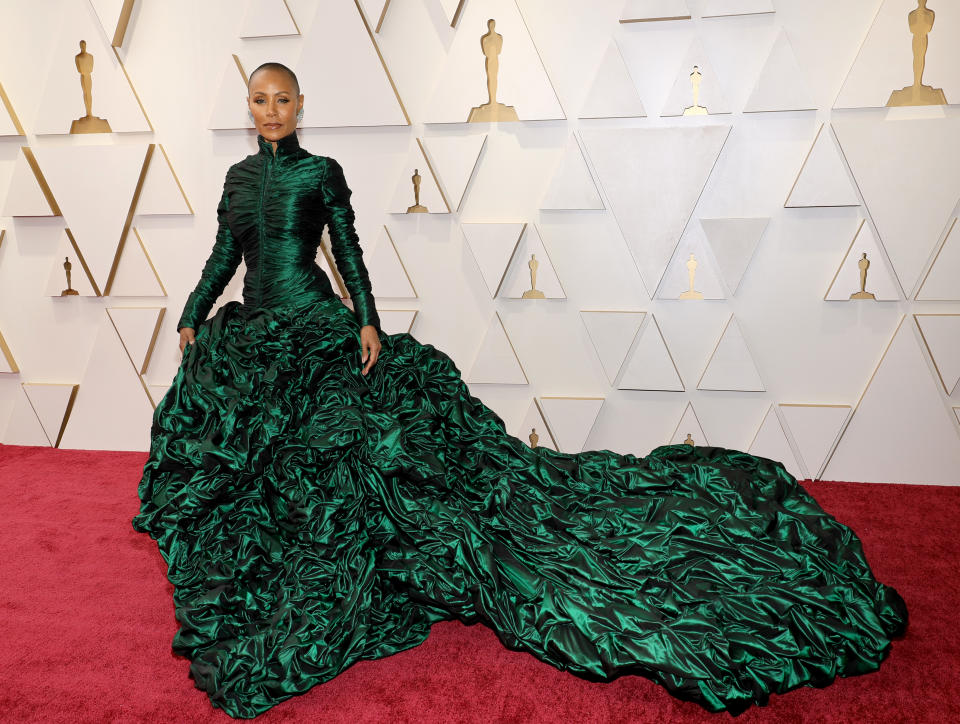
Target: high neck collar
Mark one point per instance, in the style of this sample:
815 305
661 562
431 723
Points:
286 146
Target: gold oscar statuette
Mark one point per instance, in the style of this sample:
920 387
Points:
533 292
696 109
689 441
864 264
417 207
534 437
491 43
69 291
89 123
691 293
920 21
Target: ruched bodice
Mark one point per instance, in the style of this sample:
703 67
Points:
271 214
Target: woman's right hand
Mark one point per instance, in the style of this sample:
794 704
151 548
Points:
186 337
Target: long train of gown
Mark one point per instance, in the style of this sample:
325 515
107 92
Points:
311 516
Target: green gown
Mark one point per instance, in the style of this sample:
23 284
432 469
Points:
311 516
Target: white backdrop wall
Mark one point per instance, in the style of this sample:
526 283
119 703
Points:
797 171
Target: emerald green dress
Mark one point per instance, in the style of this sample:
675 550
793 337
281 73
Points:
311 516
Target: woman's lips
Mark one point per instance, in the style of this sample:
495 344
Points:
271 125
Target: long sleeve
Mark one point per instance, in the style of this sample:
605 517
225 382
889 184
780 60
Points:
218 270
346 244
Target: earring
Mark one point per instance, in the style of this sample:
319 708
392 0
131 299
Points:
300 115
250 114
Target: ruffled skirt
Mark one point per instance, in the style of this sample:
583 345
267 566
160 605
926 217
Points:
311 516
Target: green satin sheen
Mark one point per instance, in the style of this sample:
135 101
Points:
311 516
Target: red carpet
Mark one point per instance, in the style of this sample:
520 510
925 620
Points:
88 618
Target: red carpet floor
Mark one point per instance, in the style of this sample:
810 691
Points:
88 618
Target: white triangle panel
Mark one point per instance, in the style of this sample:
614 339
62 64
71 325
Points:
452 10
94 187
613 93
815 430
24 195
23 426
711 94
782 85
137 328
161 192
689 425
230 103
676 279
941 335
496 361
519 277
612 334
522 81
723 8
493 246
571 419
112 97
57 279
136 275
911 214
109 375
430 196
823 179
942 282
881 281
360 96
771 442
651 366
265 18
375 11
636 11
572 185
395 321
653 178
731 367
884 62
387 273
733 243
51 403
455 158
917 444
534 422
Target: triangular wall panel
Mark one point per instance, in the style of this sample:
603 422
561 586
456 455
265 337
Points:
535 422
29 193
52 404
653 178
496 361
572 185
711 94
651 366
613 93
612 334
649 11
731 366
815 430
689 427
388 275
519 279
80 278
733 243
455 160
942 280
919 444
782 85
136 274
824 179
571 419
431 197
880 280
493 246
692 252
771 442
267 18
9 120
161 192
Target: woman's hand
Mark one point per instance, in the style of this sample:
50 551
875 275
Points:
186 337
370 345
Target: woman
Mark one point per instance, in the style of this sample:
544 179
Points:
323 492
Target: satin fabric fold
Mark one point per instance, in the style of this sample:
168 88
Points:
311 516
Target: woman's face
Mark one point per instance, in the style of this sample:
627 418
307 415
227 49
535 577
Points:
274 104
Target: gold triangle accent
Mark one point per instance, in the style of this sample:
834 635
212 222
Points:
8 355
13 114
150 347
122 23
382 61
126 224
243 73
134 90
38 174
3 233
83 263
175 177
297 27
153 268
457 13
400 259
66 413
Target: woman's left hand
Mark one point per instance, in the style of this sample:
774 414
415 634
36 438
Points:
369 345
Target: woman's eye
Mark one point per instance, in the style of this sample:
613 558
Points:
283 100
